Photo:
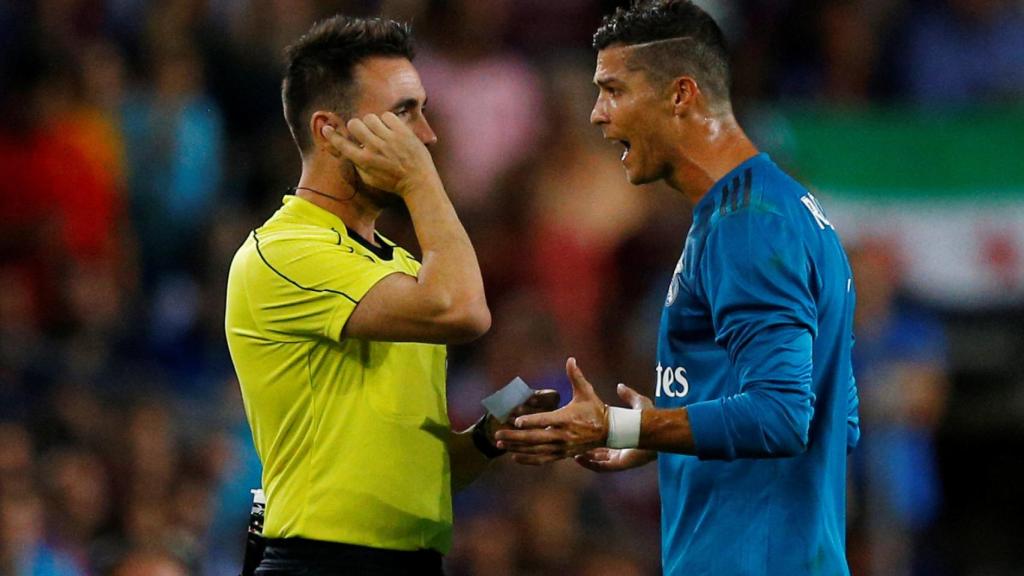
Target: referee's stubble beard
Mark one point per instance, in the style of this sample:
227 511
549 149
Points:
377 197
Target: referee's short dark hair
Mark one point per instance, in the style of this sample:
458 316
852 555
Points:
319 70
678 38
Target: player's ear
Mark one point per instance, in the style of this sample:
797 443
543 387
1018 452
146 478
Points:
318 120
684 94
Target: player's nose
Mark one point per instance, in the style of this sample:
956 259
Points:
598 115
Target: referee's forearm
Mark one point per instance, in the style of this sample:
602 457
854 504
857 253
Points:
450 266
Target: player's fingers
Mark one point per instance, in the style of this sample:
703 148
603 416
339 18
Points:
363 135
576 450
597 455
552 449
344 146
580 385
530 436
635 399
594 465
542 420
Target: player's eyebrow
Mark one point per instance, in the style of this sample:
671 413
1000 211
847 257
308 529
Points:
605 81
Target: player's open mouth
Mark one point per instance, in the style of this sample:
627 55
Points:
626 145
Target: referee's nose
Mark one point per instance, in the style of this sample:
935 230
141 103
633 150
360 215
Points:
425 133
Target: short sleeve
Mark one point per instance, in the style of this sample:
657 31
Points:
305 289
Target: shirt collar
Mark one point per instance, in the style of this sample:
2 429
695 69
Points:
306 210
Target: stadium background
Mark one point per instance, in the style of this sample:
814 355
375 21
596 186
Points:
140 142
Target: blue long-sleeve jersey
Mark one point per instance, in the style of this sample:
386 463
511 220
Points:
755 340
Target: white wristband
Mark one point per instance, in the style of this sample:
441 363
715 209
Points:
623 427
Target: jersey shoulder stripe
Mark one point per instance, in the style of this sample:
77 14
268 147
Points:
259 250
735 194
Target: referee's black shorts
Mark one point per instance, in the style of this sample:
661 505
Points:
301 557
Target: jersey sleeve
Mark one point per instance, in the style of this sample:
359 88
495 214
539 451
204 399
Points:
311 291
852 416
852 411
758 281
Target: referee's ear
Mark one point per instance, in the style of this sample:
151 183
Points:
322 118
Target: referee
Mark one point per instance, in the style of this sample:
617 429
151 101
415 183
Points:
338 335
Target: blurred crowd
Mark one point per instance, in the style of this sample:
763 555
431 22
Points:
142 140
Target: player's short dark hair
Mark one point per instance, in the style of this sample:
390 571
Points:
320 66
679 38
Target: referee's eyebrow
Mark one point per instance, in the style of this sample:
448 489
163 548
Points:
409 103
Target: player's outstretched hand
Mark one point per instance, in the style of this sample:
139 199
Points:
385 151
578 427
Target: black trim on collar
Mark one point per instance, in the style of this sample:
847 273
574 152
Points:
385 251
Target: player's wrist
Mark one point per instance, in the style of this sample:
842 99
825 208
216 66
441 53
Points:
607 424
483 438
623 427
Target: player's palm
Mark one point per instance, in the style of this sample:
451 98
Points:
615 459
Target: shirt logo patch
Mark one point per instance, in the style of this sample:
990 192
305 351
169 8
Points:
673 287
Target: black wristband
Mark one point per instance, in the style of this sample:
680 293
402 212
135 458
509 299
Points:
479 434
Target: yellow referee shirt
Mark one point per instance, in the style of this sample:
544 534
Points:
352 433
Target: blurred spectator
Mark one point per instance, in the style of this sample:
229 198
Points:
22 343
962 51
828 51
16 459
480 552
149 563
487 99
541 28
78 491
244 43
609 563
62 186
580 211
174 137
23 548
523 343
900 362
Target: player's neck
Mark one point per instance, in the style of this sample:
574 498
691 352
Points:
339 197
714 149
